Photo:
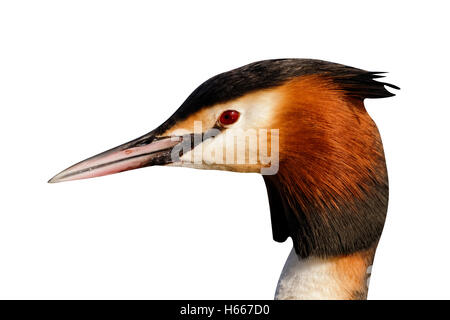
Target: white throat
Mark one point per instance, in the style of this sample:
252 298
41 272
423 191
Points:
316 278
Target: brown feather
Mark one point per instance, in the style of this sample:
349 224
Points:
332 183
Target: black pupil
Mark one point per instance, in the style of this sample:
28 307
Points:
227 116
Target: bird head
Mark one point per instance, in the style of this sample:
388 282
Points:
302 124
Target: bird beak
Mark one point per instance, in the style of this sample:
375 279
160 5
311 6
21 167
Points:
145 151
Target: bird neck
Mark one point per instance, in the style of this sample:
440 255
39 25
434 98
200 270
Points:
335 278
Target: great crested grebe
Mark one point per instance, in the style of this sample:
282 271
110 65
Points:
302 124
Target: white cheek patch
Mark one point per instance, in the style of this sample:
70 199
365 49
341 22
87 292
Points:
243 150
243 144
257 110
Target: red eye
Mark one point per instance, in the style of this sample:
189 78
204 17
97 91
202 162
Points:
229 117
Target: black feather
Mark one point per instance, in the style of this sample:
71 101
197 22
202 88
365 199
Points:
265 74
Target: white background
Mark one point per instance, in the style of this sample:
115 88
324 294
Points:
79 77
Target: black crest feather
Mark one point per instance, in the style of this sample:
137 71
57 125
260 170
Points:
270 73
